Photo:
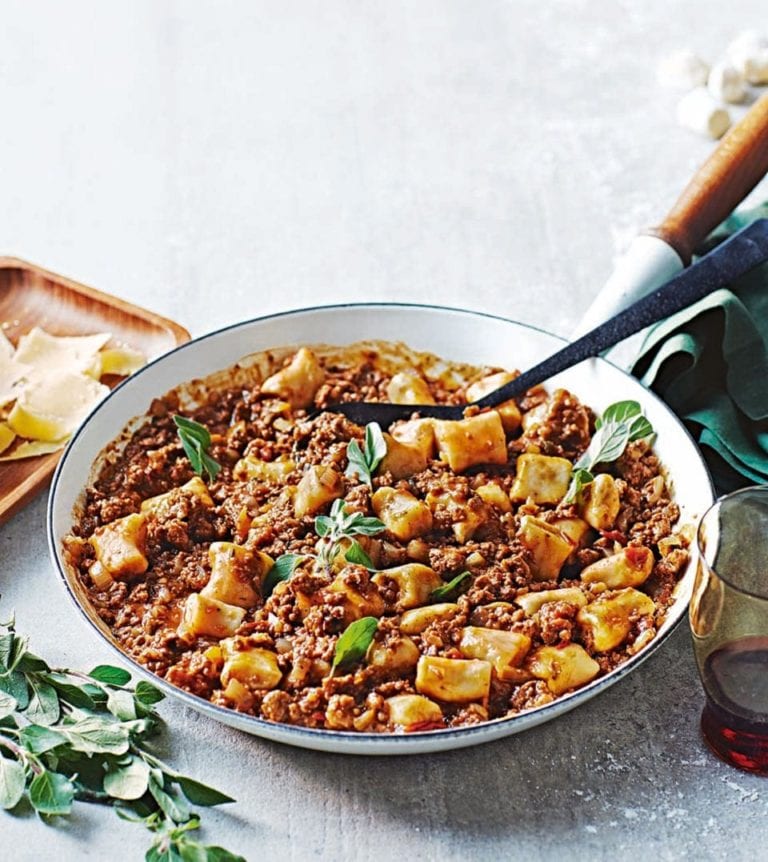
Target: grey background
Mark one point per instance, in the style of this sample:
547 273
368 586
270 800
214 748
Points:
218 161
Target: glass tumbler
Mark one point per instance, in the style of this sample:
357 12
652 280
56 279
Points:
729 623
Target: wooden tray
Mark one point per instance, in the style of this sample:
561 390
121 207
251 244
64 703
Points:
32 296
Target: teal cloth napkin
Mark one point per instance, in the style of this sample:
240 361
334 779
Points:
709 363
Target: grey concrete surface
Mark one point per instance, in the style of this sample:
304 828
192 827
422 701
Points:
218 161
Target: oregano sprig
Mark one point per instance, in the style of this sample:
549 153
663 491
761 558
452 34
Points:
67 736
196 439
342 524
620 424
334 529
363 462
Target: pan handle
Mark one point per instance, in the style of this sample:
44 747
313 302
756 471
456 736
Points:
735 167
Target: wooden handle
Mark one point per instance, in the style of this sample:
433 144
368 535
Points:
736 166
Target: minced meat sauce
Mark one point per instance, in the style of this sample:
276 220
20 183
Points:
547 595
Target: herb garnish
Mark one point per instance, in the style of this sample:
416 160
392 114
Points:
354 642
282 570
355 554
342 524
363 462
195 438
620 424
333 530
67 736
444 592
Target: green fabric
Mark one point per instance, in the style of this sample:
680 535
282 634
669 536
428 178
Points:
710 364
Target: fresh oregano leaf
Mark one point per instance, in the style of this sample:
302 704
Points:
8 704
201 794
375 445
15 684
129 781
356 462
355 554
620 411
619 424
93 735
110 675
579 479
75 695
609 442
173 805
353 644
363 462
6 649
282 570
148 694
323 525
121 704
43 707
39 739
639 427
195 439
13 780
342 524
51 793
445 592
29 663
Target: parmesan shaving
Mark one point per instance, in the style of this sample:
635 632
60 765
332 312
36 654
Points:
32 448
6 436
121 360
49 383
75 354
52 408
12 376
6 348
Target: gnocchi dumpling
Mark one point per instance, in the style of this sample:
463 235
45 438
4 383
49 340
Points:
206 617
548 546
562 667
504 650
119 547
405 516
298 382
631 567
541 478
453 680
606 622
465 443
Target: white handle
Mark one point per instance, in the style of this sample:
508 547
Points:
648 263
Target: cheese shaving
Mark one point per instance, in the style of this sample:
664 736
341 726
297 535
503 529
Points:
76 354
12 376
6 348
51 383
6 436
121 360
33 448
52 408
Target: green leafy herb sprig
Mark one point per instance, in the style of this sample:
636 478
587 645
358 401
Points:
619 424
282 570
342 524
445 592
196 439
353 644
363 462
68 736
338 526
